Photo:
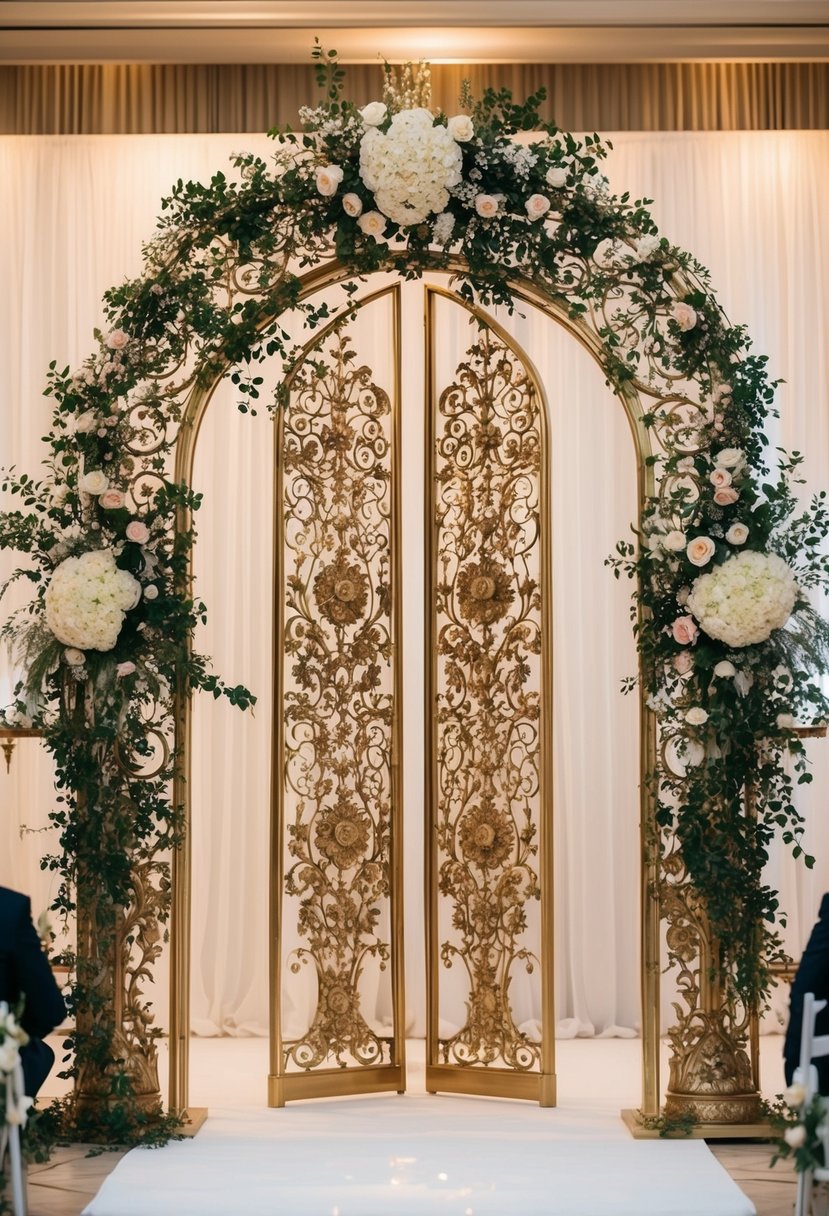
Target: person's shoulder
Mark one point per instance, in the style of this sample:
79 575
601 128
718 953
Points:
13 904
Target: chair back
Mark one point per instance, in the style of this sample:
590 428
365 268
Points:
10 1140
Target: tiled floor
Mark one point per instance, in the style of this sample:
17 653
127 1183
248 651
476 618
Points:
232 1071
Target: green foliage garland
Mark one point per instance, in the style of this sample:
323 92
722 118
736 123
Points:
226 262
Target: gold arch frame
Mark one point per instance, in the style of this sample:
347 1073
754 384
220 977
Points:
330 274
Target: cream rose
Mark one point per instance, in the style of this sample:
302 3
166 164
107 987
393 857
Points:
729 458
374 113
461 128
327 179
725 670
795 1136
726 496
74 657
700 550
372 223
116 339
684 315
737 534
151 592
675 541
536 206
556 177
352 205
696 716
487 205
95 482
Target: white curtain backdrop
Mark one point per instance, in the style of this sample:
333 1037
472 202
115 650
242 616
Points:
74 212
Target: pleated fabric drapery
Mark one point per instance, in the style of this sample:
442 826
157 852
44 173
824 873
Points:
81 99
750 206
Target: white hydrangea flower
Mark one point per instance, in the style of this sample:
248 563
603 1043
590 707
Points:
745 599
87 598
410 168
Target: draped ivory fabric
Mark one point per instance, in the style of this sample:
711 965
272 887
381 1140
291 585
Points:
750 206
80 99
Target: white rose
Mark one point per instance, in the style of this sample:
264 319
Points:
696 716
328 178
461 128
700 550
646 246
151 592
372 223
58 494
556 177
725 670
352 204
86 422
795 1136
374 113
537 205
684 315
795 1095
74 657
8 1056
94 482
487 205
675 541
729 458
737 534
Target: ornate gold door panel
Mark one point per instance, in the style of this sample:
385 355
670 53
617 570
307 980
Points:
489 697
337 1024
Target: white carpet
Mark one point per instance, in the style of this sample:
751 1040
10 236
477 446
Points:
414 1155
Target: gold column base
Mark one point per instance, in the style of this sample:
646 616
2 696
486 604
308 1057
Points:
759 1130
492 1083
194 1118
335 1083
715 1108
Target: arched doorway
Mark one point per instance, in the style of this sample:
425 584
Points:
530 1001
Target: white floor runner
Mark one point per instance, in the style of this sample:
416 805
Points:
413 1155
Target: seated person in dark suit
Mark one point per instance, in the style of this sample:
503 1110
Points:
25 975
812 976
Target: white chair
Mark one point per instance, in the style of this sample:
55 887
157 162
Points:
812 1047
10 1141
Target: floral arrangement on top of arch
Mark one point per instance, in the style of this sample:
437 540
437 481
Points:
725 559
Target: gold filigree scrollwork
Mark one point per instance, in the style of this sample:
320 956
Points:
337 709
489 632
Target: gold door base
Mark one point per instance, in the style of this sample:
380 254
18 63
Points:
492 1083
335 1083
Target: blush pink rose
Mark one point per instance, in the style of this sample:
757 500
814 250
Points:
684 315
487 205
138 532
116 339
719 478
536 206
685 630
726 496
112 500
125 669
